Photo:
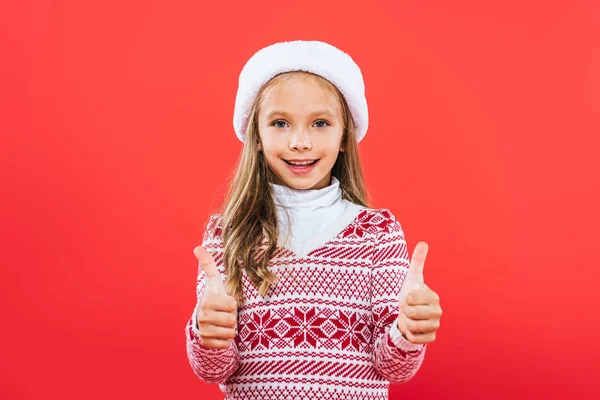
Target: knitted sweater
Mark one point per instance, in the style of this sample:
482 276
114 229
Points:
327 329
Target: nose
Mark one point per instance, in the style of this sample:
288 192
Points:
300 140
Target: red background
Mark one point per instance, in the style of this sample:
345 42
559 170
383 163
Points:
117 139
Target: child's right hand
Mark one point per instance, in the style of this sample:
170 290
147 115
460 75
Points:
216 317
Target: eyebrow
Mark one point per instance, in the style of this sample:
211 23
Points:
274 113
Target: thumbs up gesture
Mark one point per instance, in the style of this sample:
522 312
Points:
217 311
420 311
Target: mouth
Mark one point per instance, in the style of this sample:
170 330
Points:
301 163
301 167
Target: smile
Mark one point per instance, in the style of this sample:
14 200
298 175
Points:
301 167
300 163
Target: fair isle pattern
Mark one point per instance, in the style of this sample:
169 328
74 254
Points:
327 329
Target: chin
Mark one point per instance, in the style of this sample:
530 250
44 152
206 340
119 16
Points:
303 184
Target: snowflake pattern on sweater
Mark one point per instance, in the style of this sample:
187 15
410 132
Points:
327 329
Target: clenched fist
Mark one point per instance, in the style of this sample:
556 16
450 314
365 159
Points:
217 311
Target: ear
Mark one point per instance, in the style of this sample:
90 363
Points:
258 146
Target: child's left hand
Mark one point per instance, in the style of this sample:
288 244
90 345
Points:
420 311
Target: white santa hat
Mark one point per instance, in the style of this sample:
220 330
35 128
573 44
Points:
315 57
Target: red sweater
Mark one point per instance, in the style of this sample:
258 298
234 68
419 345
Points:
327 329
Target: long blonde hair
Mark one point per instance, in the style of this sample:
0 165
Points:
249 214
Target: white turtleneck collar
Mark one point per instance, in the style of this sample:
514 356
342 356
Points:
302 200
308 218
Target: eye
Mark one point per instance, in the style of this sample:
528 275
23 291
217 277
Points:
279 124
321 123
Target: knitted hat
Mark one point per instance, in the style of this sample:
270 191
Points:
315 57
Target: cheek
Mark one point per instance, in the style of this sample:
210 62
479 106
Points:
329 147
271 140
332 141
267 144
272 151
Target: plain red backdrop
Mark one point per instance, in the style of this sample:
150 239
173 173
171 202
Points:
117 140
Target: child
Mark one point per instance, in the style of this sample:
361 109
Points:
302 288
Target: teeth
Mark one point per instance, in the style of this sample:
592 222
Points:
301 163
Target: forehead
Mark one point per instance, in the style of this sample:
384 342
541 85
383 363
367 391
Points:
300 92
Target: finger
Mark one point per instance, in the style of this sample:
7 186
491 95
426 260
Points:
215 343
422 297
218 303
209 267
216 332
218 318
422 326
417 263
423 312
206 261
420 338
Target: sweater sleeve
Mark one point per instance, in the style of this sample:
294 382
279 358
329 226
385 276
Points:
210 365
394 357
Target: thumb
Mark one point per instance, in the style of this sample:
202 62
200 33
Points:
417 263
206 261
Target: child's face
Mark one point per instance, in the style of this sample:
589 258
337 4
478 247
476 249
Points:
299 119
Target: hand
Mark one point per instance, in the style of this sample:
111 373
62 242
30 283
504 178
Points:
216 317
420 311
